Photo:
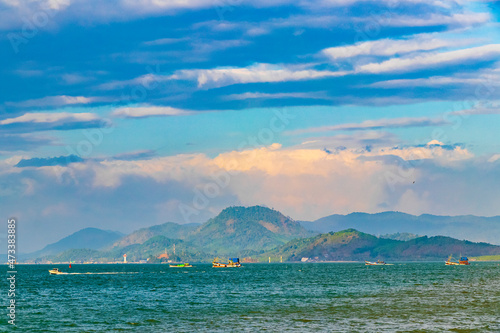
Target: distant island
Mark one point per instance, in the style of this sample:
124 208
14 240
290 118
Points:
256 234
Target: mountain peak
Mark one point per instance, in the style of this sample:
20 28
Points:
248 228
252 211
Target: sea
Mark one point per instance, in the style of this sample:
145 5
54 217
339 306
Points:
299 297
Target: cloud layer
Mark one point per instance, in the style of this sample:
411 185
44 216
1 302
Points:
303 183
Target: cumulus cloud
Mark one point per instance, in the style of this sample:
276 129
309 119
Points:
305 183
285 178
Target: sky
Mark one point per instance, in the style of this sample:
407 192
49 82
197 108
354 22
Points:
125 114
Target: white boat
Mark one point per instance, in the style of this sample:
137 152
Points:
56 271
233 262
376 263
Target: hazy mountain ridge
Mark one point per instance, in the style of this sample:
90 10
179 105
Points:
259 231
88 238
473 228
169 230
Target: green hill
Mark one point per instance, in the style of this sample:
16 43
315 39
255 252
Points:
401 236
243 229
157 245
149 250
351 244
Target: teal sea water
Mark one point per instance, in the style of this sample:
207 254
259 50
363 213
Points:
333 297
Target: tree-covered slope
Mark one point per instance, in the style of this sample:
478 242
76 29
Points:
238 229
351 244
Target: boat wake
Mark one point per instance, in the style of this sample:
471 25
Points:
97 273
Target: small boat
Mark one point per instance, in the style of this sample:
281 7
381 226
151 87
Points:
56 271
233 262
376 263
462 261
182 265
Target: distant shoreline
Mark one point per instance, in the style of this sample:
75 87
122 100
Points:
248 263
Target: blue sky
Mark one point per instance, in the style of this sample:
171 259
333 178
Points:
120 114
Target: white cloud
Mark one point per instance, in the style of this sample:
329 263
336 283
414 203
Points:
303 183
480 108
386 18
392 3
356 141
165 41
255 95
375 124
53 101
224 76
149 111
488 79
389 47
428 60
458 19
494 158
104 11
46 117
16 11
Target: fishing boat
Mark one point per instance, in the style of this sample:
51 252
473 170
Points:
462 261
182 265
376 263
56 271
233 262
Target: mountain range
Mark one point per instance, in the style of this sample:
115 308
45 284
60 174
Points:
260 232
351 244
473 228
